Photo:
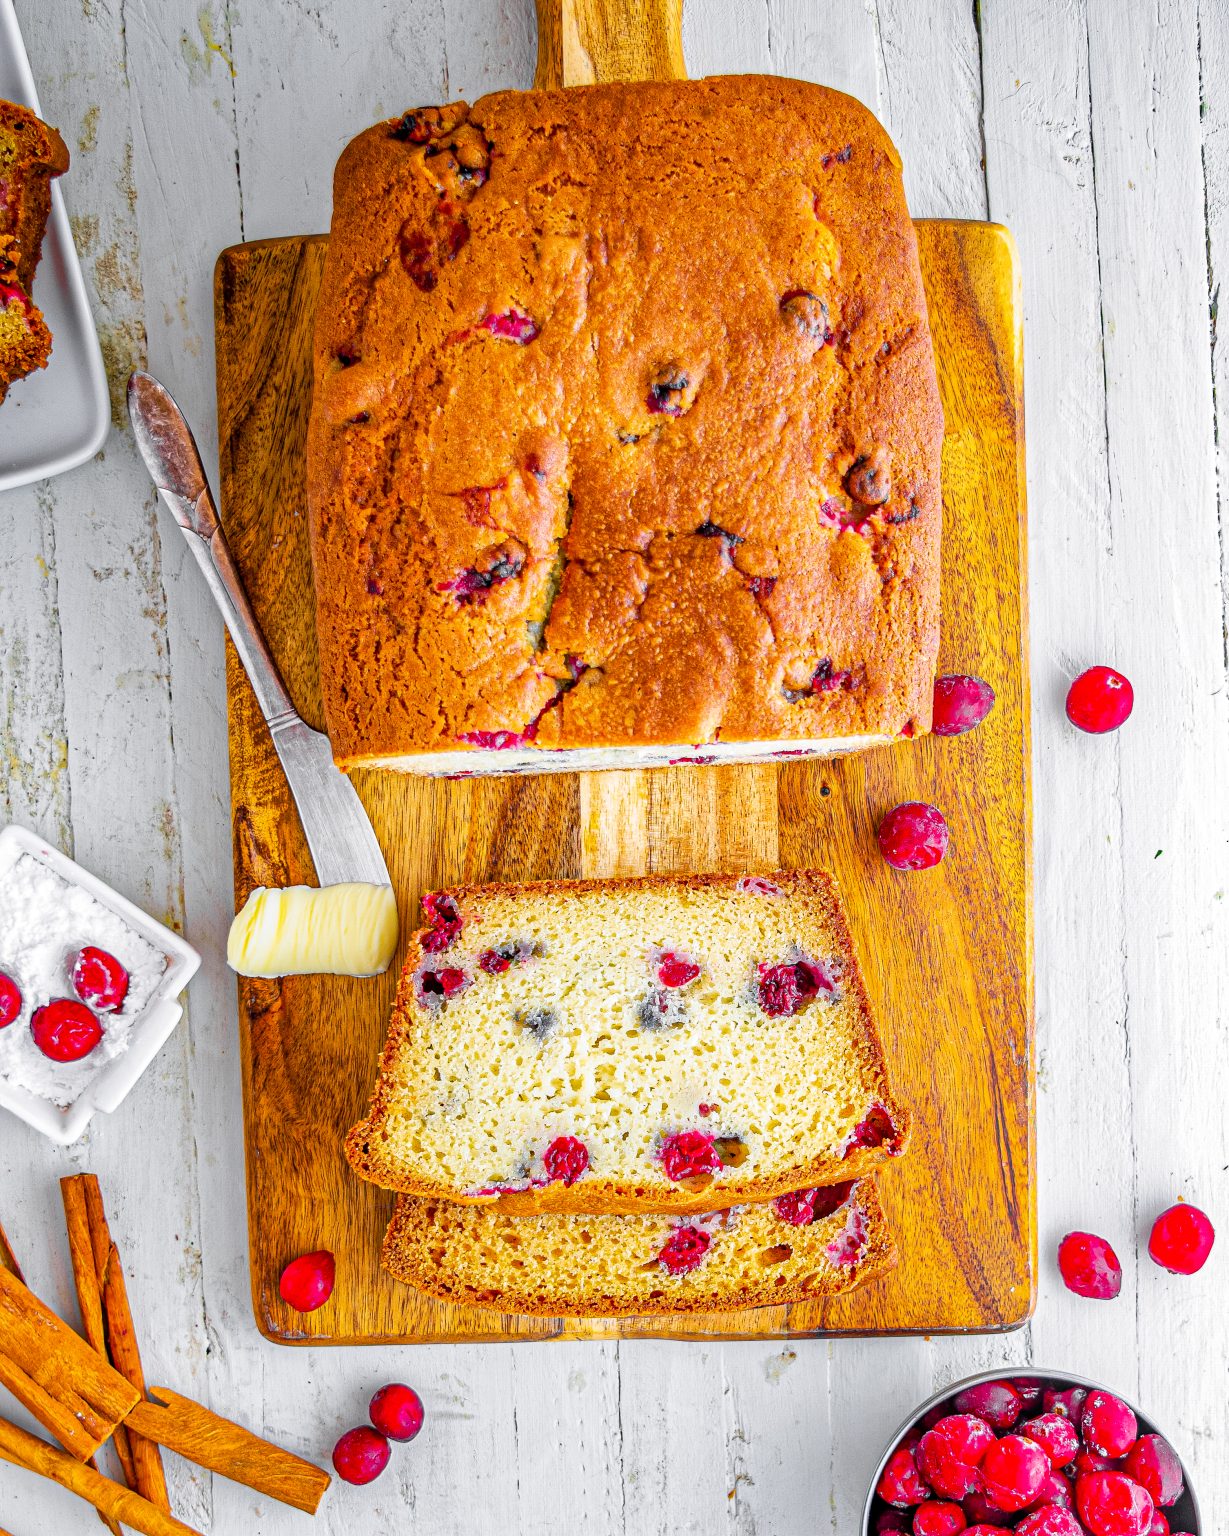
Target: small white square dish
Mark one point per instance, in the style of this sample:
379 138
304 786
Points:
57 417
143 1022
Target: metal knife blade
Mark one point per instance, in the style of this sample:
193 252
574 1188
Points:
339 834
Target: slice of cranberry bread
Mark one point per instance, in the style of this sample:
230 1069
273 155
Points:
804 1246
663 1044
31 154
25 341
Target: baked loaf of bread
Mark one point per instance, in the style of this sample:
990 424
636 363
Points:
657 1044
625 438
31 153
819 1242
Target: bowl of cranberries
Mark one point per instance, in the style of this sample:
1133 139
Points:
1042 1453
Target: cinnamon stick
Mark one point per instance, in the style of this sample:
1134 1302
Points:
111 1499
112 1317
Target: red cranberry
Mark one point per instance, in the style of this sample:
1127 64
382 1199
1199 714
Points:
65 1030
396 1411
684 1250
511 325
99 979
361 1455
935 1518
949 1454
1054 1490
688 1154
10 999
981 1529
1092 1461
1056 1435
445 983
1099 700
1012 1471
900 1482
961 703
1154 1465
676 971
803 1206
784 989
307 1282
443 921
997 1402
565 1160
1108 1425
913 836
982 1513
891 1520
1028 1388
1181 1239
1050 1521
1159 1526
1112 1505
1068 1401
1089 1266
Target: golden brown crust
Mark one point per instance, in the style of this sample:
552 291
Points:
31 154
426 1245
514 533
591 1194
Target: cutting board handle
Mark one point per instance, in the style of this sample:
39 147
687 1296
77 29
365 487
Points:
590 42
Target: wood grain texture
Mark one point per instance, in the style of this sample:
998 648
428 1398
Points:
952 984
583 42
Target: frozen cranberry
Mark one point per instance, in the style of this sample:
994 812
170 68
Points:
1050 1521
961 703
1092 1461
1159 1526
1056 1435
913 836
361 1455
1108 1425
1089 1266
1110 1504
1054 1490
675 970
1099 700
684 1250
396 1411
936 1518
1154 1465
981 1529
949 1454
10 999
307 1282
687 1154
443 921
1067 1400
1181 1239
891 1520
1028 1388
803 1206
997 1402
99 979
65 1030
900 1482
982 1513
1012 1471
565 1160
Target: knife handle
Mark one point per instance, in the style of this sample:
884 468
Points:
199 524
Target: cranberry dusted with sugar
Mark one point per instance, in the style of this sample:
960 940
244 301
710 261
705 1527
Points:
982 1513
1159 1526
1056 1489
1092 1461
396 1411
689 1155
307 1282
1108 1424
10 999
1012 1471
1099 700
1089 1266
1051 1521
900 1483
684 1250
913 836
997 1402
361 1455
65 1030
936 1517
1154 1465
99 980
961 703
1111 1504
1056 1435
1181 1239
949 1455
565 1160
1065 1400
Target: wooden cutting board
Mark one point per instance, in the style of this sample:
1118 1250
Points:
947 953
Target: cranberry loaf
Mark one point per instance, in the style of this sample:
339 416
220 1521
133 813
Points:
625 436
31 154
25 340
658 1044
804 1246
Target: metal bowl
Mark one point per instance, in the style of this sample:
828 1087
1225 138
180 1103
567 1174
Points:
1183 1516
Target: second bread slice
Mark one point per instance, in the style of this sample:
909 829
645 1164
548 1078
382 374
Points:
646 1045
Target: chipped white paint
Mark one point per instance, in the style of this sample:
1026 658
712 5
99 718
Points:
1105 139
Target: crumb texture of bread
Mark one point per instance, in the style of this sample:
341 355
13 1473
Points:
626 429
618 1266
31 154
659 1044
25 340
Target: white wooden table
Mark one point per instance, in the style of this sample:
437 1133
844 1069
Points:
1099 131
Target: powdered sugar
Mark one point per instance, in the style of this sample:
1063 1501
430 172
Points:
44 922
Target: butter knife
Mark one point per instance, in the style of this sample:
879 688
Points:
342 843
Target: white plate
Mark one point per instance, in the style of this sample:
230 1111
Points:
150 1028
58 417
